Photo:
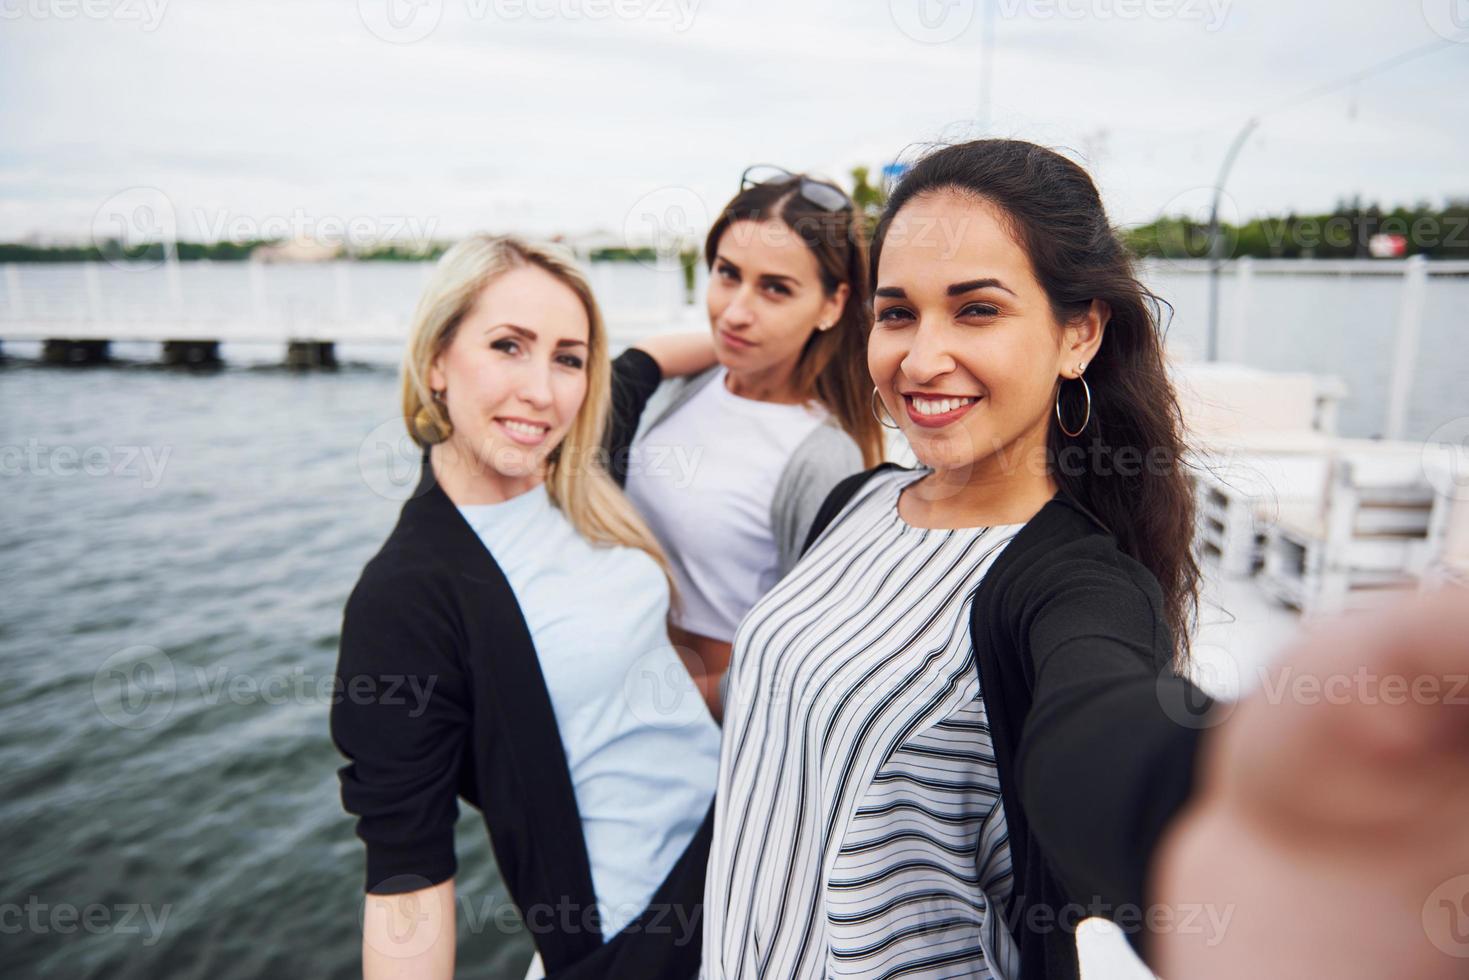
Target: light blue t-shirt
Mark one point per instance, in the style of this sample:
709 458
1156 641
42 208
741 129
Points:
641 746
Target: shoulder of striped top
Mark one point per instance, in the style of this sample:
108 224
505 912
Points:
841 495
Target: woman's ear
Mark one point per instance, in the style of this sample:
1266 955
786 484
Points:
1084 334
831 310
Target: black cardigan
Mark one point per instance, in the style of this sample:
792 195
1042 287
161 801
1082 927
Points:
1094 733
442 697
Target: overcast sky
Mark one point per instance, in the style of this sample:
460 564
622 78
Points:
437 117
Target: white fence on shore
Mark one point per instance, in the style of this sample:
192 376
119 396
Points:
1393 330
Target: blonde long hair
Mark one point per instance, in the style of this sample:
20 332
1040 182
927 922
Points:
577 479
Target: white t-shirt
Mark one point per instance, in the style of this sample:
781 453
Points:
704 479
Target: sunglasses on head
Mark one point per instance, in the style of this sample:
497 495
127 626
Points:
825 195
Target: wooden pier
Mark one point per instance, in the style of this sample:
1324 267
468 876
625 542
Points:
193 312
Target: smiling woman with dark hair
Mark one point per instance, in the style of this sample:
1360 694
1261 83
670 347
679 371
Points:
960 723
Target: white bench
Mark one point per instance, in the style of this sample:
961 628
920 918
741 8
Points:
1370 533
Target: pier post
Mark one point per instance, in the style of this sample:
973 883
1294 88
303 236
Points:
311 354
57 350
191 353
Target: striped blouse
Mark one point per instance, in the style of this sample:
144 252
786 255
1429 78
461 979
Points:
859 830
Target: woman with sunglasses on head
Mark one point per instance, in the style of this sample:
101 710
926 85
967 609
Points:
960 725
489 649
730 469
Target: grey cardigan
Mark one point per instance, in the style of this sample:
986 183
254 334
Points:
641 400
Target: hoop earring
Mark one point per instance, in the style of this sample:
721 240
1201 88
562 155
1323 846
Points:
1086 388
878 415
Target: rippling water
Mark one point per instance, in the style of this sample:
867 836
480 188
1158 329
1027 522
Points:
176 551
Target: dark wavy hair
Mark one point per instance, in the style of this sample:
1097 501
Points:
1055 214
833 365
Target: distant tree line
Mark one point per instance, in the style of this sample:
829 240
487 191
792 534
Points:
228 251
116 252
1344 233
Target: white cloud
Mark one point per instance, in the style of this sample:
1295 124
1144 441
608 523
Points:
562 124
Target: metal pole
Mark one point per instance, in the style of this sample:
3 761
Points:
1215 244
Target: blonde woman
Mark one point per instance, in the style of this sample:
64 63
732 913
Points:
493 649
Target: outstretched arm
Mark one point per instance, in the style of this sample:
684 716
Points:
1331 820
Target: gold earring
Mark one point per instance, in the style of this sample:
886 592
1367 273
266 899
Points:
1086 388
877 400
432 426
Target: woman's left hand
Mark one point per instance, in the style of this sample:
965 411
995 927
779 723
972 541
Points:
1329 831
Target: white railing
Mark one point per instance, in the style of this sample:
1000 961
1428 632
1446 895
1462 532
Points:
1392 330
355 302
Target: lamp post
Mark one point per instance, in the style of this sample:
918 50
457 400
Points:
1215 243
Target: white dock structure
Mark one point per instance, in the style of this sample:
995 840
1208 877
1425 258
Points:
77 310
1388 310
